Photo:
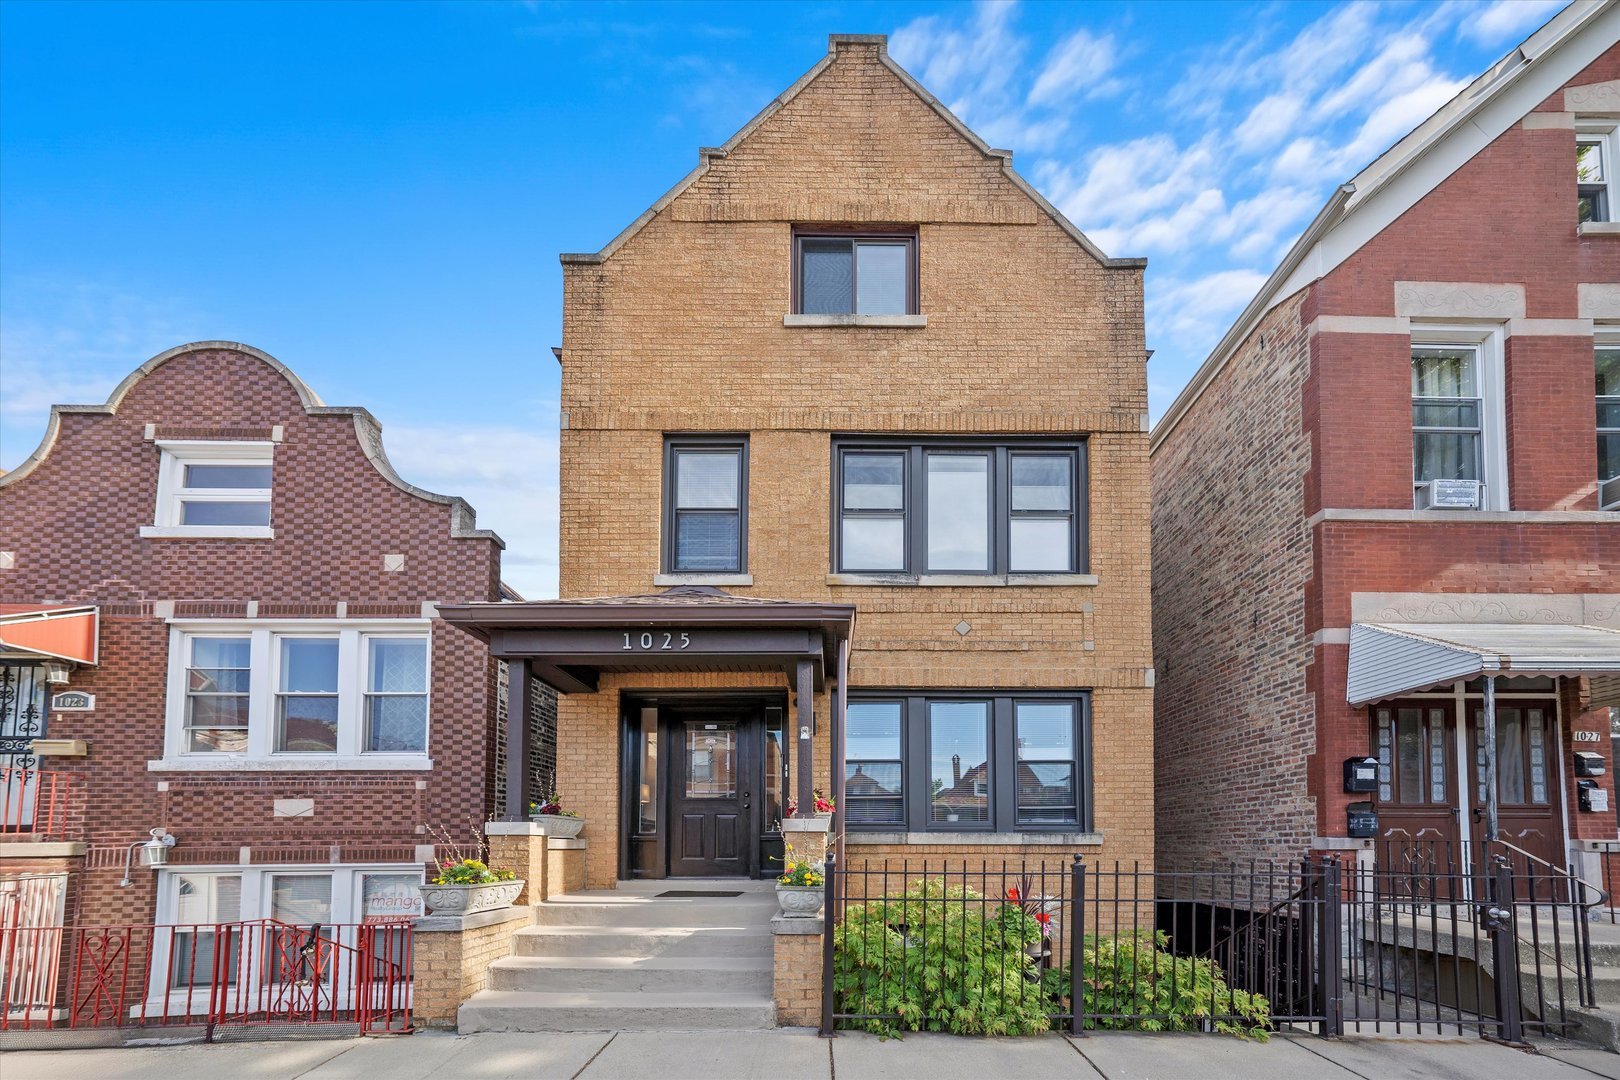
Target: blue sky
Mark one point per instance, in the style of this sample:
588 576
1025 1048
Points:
376 193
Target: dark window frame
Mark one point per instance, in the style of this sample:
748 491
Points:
674 445
855 234
905 786
914 500
1003 760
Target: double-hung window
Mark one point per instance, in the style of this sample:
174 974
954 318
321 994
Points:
1608 425
1448 417
705 506
989 762
849 274
213 489
949 508
291 692
1596 186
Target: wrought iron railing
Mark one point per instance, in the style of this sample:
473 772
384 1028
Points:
44 804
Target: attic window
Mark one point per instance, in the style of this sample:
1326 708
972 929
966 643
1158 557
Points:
854 273
1595 186
213 489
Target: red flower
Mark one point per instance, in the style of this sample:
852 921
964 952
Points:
1012 893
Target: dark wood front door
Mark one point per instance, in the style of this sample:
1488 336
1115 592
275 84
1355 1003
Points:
1527 794
714 762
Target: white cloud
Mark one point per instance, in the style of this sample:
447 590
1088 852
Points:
1269 121
1079 64
1507 20
507 475
1194 313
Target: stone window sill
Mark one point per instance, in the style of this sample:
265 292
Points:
207 532
856 838
957 581
1599 228
897 322
295 763
703 579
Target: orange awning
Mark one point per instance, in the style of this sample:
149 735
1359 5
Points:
64 633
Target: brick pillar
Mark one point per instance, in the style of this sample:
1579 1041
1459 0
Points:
565 866
450 958
796 980
808 837
520 846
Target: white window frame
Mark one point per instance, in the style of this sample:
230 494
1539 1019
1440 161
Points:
1605 337
261 754
1489 340
1606 135
347 909
171 489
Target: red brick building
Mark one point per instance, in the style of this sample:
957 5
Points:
1394 479
262 674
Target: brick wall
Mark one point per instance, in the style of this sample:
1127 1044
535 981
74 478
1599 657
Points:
450 966
74 521
680 329
797 979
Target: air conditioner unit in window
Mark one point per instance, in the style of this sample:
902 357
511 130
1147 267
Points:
1453 495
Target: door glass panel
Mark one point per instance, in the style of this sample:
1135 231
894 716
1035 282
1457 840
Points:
1535 724
775 766
1510 755
1410 755
647 765
1437 755
711 760
1386 753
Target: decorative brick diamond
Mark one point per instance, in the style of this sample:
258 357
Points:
963 627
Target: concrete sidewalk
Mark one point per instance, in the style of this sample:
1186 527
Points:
800 1055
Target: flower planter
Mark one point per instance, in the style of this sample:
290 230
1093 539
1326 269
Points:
560 826
468 899
800 901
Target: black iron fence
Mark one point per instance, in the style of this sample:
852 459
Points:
987 947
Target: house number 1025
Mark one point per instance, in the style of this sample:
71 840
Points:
662 641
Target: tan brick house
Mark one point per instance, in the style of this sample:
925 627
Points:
1388 496
258 669
854 498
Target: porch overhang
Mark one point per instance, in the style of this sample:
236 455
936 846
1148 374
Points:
569 644
1390 659
55 633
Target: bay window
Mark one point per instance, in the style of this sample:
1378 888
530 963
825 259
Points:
948 507
244 694
978 762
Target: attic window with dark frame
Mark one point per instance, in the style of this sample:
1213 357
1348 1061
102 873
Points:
854 273
706 504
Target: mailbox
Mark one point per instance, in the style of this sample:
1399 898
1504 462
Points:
1594 799
1362 821
1360 774
1588 763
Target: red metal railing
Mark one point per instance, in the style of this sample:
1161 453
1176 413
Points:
34 801
238 974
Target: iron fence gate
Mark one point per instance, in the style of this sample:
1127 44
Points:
950 944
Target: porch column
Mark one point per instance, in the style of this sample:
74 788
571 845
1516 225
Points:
517 740
807 777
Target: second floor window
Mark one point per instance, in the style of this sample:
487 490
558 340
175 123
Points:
705 506
1595 182
1447 418
969 508
1608 426
855 275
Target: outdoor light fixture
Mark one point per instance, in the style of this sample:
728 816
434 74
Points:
154 853
57 674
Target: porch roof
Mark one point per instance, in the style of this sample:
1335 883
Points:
569 643
1388 659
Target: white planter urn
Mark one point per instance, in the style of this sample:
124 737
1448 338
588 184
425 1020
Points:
800 901
559 826
469 899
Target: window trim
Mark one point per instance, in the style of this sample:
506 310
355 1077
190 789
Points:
264 661
855 234
1606 338
915 570
1606 134
176 454
1487 341
1003 761
674 444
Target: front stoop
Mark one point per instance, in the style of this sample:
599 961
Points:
626 960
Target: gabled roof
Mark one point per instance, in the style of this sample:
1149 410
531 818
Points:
708 154
1365 205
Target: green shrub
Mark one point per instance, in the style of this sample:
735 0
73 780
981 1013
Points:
1147 988
960 966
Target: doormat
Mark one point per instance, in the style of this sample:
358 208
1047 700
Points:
678 893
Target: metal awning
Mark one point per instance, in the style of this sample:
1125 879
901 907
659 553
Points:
61 633
1389 659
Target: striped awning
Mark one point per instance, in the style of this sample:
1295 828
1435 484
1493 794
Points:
1390 659
62 633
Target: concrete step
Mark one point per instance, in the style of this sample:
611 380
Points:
718 974
643 941
505 1010
583 910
